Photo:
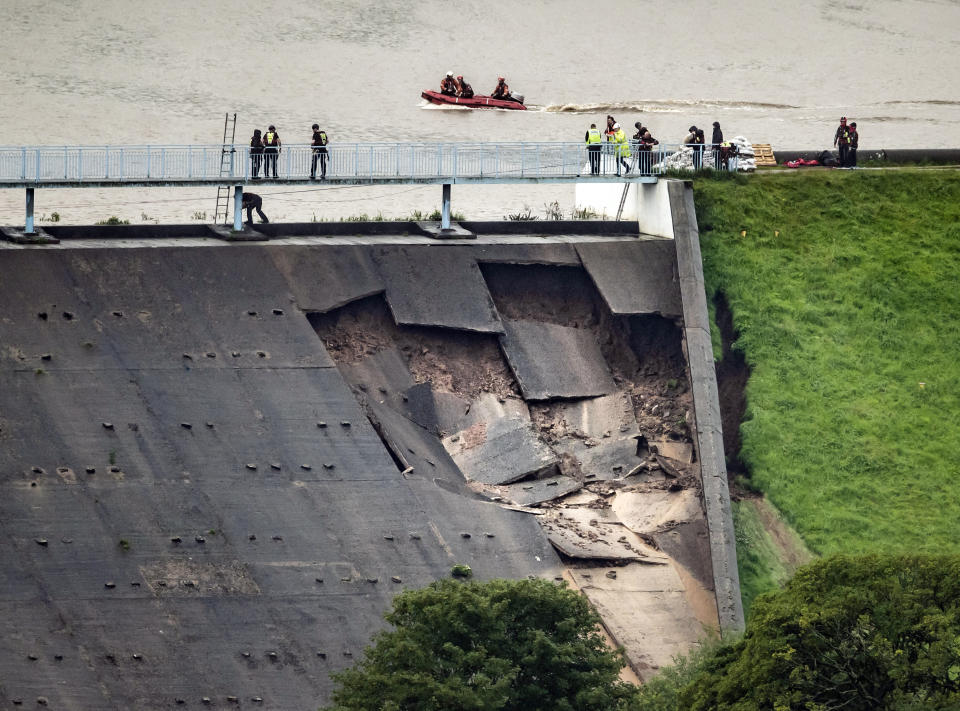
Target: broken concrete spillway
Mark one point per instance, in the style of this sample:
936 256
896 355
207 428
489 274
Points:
220 461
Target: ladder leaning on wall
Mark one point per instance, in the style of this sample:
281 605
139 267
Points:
222 213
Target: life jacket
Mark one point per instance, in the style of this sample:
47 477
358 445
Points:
270 138
623 148
843 133
594 136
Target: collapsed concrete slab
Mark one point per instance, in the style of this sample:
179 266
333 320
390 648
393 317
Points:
436 286
438 411
635 278
649 511
604 459
551 361
588 534
537 491
599 416
501 452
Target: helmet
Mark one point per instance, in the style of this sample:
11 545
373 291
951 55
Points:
616 125
460 77
843 119
637 125
499 78
271 127
449 74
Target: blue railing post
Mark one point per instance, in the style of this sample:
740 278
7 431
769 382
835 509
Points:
454 166
148 162
28 223
23 163
80 164
37 175
523 159
190 161
497 164
106 152
237 208
445 208
121 162
66 160
356 160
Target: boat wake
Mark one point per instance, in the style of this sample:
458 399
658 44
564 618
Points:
659 106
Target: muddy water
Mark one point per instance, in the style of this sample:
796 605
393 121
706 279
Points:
129 71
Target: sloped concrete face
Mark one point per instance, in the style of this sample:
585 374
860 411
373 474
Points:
218 465
551 361
635 279
178 522
437 286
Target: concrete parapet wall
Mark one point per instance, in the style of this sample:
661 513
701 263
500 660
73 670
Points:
653 209
706 402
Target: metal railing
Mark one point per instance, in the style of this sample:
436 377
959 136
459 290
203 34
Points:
379 162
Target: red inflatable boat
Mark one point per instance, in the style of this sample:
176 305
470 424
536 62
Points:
478 101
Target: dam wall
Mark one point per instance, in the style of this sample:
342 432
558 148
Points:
220 461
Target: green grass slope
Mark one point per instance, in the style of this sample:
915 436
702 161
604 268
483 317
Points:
850 322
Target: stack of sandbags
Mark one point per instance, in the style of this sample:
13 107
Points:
683 158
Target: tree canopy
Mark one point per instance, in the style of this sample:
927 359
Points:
861 633
504 645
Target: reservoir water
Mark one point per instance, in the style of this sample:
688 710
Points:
133 72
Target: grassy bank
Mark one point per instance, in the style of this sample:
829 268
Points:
844 292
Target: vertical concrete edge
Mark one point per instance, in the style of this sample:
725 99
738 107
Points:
706 406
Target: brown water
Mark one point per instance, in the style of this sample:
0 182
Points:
128 71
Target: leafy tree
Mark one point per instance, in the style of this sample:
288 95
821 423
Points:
503 644
853 633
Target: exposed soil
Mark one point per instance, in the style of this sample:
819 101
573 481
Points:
460 362
644 352
732 376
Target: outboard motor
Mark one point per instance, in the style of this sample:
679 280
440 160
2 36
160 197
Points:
516 97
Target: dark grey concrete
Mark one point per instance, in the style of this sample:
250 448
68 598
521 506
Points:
502 453
161 516
325 278
454 231
436 411
635 278
530 253
551 361
706 406
385 371
440 287
18 236
536 491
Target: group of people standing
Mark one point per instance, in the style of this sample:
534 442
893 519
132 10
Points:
619 146
643 142
265 149
846 140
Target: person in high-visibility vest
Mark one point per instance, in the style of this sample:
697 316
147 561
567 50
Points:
593 138
841 140
622 148
271 149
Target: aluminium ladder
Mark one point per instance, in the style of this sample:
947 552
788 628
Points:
227 156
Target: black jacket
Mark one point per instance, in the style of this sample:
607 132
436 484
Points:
717 136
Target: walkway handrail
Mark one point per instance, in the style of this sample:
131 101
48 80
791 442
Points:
381 162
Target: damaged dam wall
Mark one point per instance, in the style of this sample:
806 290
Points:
220 462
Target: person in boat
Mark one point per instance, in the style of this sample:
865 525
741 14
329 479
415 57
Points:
464 90
448 85
502 91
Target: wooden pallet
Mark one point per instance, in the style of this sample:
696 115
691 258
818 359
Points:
763 154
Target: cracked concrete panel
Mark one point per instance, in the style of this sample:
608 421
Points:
672 449
537 491
325 278
436 286
551 361
584 533
604 459
649 511
645 609
439 412
597 416
489 408
635 277
500 452
554 253
384 372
